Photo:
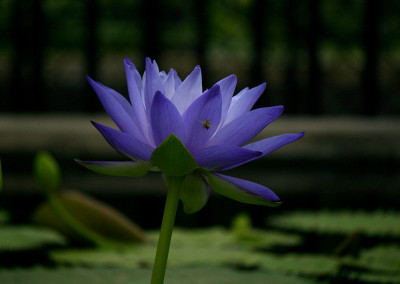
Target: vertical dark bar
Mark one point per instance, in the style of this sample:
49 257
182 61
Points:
370 73
314 71
203 33
27 36
152 20
91 49
258 16
291 85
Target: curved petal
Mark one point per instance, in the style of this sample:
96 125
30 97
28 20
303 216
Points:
188 91
152 83
271 144
169 85
165 120
118 108
194 193
177 80
243 102
244 128
222 156
111 168
227 86
125 143
207 108
134 88
267 146
242 190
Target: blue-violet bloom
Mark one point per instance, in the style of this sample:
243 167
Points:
213 125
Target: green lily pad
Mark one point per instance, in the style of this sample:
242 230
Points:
383 258
172 157
214 247
67 275
379 223
28 237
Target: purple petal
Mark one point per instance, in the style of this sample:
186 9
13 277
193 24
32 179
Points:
267 146
118 108
244 128
243 102
221 156
242 190
227 86
188 91
165 120
177 80
134 88
117 168
152 83
206 108
125 143
169 85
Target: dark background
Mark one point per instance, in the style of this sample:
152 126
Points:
318 56
334 65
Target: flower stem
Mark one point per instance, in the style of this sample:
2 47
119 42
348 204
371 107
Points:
174 185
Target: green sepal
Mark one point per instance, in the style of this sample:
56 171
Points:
172 157
47 172
136 169
228 189
193 193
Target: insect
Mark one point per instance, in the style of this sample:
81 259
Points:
206 124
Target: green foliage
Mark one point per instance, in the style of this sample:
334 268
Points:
92 214
131 170
47 172
194 275
27 237
193 193
172 157
379 223
213 247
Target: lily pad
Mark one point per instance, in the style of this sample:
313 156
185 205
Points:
214 247
379 223
28 237
142 276
383 258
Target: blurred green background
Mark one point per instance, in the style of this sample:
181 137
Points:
318 56
334 65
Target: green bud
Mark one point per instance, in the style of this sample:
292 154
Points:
47 172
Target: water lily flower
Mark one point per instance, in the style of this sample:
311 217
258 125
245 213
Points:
175 127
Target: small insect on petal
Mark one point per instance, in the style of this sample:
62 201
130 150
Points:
206 124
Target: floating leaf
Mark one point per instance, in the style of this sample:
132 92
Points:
28 237
193 275
214 247
379 223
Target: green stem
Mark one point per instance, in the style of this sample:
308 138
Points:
164 240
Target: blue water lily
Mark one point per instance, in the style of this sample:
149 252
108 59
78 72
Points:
175 127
